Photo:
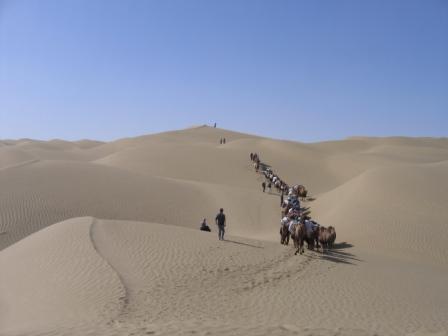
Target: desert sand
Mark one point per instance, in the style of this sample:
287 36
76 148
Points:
101 238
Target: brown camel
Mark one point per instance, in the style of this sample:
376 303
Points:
332 236
302 192
324 238
299 237
284 234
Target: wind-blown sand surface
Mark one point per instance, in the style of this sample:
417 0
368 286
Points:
102 238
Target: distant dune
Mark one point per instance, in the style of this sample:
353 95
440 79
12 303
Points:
101 238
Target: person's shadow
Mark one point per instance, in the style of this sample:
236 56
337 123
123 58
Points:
241 243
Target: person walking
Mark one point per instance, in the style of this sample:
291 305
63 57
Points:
269 187
281 198
221 222
263 185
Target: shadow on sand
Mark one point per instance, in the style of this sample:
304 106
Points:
337 254
263 166
241 243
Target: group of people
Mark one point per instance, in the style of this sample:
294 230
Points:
291 212
292 215
256 161
220 221
272 179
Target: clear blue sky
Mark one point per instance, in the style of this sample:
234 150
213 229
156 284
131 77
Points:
301 70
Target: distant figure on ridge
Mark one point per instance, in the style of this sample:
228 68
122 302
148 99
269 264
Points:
204 226
214 126
221 222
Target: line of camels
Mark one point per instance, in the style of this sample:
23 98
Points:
296 222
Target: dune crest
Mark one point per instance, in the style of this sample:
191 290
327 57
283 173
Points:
102 237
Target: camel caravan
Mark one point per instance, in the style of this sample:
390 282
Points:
295 221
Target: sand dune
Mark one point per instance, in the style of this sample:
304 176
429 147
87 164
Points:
81 253
397 211
113 277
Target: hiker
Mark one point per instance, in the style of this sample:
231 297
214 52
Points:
251 156
221 222
214 125
220 141
204 226
281 198
269 187
263 185
224 141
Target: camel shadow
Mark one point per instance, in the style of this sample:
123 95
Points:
241 243
264 166
342 246
337 255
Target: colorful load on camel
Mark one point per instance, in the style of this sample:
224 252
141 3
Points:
295 221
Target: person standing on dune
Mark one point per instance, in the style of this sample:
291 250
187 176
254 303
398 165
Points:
221 222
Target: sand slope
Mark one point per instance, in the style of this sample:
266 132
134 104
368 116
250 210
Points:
80 252
131 277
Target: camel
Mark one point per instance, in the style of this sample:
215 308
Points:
332 236
324 238
302 192
277 185
284 234
311 238
299 237
285 210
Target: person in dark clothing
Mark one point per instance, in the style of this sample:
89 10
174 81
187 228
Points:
224 141
251 156
214 125
221 222
263 185
269 187
204 226
281 198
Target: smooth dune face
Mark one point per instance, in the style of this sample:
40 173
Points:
80 252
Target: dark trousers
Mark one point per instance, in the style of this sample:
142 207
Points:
221 232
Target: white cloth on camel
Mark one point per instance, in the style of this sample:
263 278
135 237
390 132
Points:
292 225
309 226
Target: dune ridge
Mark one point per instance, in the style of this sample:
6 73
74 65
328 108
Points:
101 238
